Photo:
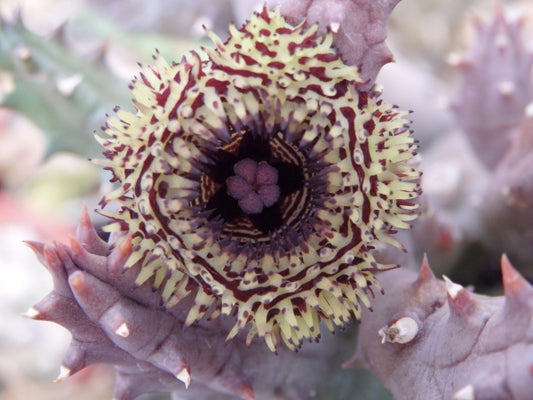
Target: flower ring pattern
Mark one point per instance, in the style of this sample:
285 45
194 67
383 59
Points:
257 182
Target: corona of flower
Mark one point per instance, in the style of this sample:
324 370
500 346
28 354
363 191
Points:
259 181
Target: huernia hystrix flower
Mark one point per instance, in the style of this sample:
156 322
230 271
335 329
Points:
258 181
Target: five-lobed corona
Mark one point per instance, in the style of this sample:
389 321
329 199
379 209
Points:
260 180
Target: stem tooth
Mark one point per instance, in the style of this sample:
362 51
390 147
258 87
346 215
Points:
185 376
64 373
31 313
465 393
452 288
123 330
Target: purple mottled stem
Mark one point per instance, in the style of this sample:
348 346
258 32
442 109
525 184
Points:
433 339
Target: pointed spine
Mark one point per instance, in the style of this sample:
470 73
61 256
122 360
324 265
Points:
87 235
518 291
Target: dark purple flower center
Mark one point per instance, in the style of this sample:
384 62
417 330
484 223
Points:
254 178
254 185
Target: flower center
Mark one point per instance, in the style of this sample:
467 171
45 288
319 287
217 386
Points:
254 185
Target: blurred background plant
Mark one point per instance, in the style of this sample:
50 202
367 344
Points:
64 64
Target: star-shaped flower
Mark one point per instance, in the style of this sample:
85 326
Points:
258 182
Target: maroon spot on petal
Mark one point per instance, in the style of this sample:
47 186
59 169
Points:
276 64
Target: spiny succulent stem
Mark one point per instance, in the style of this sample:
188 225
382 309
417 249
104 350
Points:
464 338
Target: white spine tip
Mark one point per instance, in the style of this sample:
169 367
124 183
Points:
466 393
185 376
403 331
123 330
31 313
64 373
454 59
66 86
506 88
334 27
452 288
529 110
23 53
501 41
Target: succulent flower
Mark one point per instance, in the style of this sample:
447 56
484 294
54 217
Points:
260 180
